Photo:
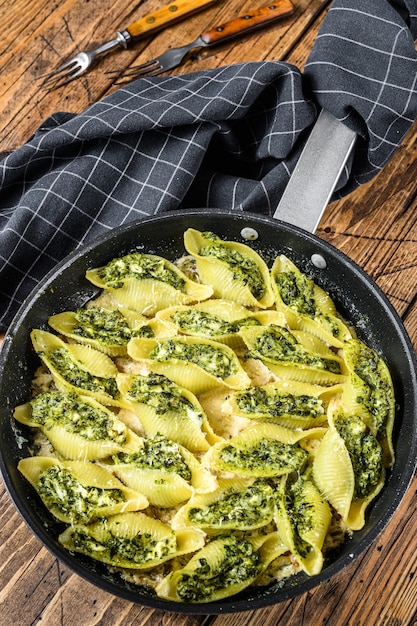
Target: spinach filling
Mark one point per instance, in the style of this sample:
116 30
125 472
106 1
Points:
74 375
140 267
297 292
252 506
256 400
78 417
301 515
279 344
59 490
213 360
107 327
163 396
268 453
242 267
364 451
158 453
138 549
208 324
379 399
239 562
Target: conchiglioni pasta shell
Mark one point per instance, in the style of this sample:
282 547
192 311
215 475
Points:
269 547
356 517
202 501
226 311
148 295
333 472
186 430
185 373
312 561
321 325
215 272
250 440
291 388
357 391
162 489
86 474
130 526
65 323
88 359
292 369
84 357
283 264
322 516
75 446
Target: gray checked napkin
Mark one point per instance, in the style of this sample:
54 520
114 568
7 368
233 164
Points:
226 138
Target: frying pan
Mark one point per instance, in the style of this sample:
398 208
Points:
356 296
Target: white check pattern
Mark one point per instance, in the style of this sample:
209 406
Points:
226 138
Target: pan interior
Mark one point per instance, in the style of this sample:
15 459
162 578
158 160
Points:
357 298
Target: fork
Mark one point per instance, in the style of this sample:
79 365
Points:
175 56
148 24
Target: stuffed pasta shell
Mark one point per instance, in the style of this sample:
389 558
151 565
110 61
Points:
131 540
235 271
237 503
369 392
146 283
164 471
78 368
303 518
106 330
294 355
305 305
220 320
262 450
221 569
348 466
193 362
167 408
79 491
286 402
78 427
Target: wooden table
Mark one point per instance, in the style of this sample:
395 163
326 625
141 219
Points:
376 226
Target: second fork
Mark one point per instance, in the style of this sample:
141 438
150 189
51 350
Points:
218 34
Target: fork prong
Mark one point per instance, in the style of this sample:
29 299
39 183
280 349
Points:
121 80
59 70
135 68
60 77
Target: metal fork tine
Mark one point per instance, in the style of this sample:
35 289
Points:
125 78
135 68
58 79
59 69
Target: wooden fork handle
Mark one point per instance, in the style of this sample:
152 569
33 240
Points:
169 14
249 21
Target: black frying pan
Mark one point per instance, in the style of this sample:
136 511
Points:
357 298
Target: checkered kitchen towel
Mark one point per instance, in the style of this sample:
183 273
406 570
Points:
226 138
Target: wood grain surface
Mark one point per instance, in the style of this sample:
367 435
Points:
376 226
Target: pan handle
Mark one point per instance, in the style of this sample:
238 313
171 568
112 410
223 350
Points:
316 174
